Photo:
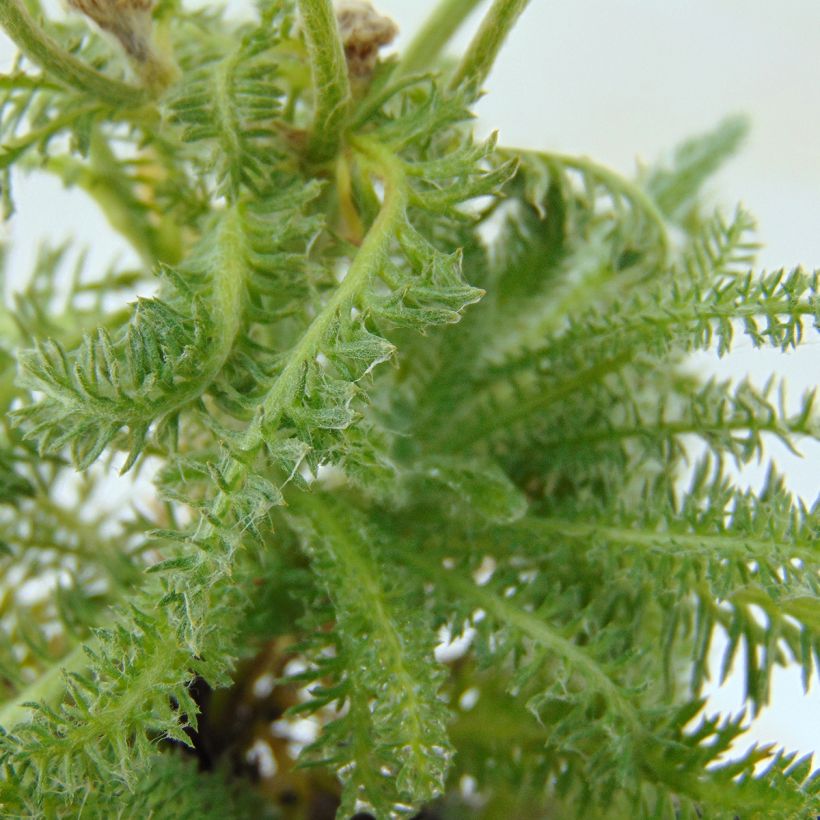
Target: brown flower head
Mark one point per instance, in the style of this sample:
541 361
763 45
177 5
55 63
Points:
364 31
128 20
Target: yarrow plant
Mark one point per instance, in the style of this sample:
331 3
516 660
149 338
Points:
394 386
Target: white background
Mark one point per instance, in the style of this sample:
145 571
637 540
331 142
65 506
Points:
622 81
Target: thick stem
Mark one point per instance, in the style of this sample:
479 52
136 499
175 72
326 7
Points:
482 51
331 85
64 67
429 42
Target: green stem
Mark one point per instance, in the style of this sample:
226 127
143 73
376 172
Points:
377 98
368 261
15 148
685 311
355 572
482 51
525 327
652 759
230 275
456 433
433 36
13 82
227 308
531 625
47 688
459 435
613 182
708 544
331 85
64 67
676 429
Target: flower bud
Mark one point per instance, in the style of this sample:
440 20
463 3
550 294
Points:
364 31
128 20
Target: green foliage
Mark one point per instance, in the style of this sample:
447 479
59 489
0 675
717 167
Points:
675 189
398 746
231 101
175 347
392 385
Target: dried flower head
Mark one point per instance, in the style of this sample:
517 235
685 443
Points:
364 31
128 20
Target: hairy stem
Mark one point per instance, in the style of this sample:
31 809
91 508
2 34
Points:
433 36
474 67
354 569
367 262
613 181
331 85
676 320
226 310
459 435
748 547
536 629
592 436
64 67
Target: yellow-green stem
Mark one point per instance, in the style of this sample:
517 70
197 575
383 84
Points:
367 262
474 67
433 36
331 86
64 67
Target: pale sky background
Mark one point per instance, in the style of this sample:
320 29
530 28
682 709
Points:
622 81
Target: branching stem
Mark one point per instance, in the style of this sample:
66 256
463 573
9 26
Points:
367 262
591 437
228 291
613 181
15 148
64 67
536 629
457 437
